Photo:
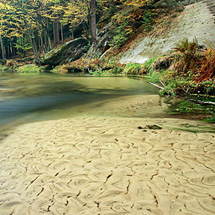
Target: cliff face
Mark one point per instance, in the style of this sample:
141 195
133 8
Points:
196 21
211 7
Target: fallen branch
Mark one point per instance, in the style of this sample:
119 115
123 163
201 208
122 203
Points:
162 83
155 85
187 90
201 102
202 95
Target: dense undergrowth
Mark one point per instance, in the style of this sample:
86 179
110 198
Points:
190 73
190 70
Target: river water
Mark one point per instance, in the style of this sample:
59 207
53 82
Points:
29 98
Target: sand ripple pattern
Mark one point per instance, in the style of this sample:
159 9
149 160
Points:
106 166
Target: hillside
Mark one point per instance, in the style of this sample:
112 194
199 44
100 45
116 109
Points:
132 38
195 21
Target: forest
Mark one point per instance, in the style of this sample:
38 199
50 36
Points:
41 25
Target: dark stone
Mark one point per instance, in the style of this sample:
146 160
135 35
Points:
154 127
47 69
70 51
75 70
164 63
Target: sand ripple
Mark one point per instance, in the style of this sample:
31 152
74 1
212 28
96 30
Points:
107 166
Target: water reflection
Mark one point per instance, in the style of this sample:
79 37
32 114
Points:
41 97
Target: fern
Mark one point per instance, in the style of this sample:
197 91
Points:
188 55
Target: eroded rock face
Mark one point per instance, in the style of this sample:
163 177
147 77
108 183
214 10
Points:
70 51
211 7
167 4
174 3
195 21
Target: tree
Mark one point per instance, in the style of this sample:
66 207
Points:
23 45
40 21
93 22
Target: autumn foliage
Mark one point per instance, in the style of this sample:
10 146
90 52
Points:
195 60
95 64
187 56
207 70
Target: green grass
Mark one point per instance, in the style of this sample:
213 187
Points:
4 69
134 69
29 68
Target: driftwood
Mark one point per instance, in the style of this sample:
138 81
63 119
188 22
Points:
201 102
202 95
161 88
162 83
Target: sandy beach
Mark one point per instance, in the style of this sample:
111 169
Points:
107 166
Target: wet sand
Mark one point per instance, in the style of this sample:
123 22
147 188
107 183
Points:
108 166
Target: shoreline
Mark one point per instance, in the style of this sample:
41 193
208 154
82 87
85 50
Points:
107 165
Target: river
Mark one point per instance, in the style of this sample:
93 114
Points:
28 98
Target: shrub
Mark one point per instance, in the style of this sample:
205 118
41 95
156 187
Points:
147 20
60 69
134 69
5 69
154 76
148 64
188 56
207 70
29 68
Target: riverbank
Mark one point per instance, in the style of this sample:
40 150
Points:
108 165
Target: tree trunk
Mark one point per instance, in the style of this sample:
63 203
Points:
45 41
61 30
57 32
37 40
42 45
34 47
72 34
93 21
54 34
9 50
13 50
2 48
48 36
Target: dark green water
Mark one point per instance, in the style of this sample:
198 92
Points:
27 98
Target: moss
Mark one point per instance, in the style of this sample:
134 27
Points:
29 68
134 69
204 112
210 120
154 76
149 63
45 68
60 69
194 129
4 69
186 107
